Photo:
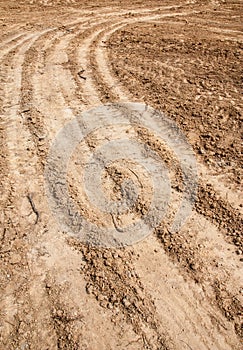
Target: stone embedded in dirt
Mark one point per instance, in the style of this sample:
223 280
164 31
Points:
126 302
89 289
194 266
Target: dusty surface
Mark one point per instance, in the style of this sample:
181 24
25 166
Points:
180 291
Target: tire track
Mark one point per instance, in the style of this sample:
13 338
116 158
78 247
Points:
100 59
15 58
16 137
12 40
77 71
112 280
152 325
26 101
42 70
79 56
229 214
44 86
111 82
189 309
31 114
16 63
83 61
111 85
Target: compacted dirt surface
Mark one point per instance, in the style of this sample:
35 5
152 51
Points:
173 290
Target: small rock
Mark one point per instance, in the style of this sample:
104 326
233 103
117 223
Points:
126 302
59 313
110 306
194 266
107 255
89 289
108 262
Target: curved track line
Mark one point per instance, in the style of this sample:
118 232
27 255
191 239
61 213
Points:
52 88
113 84
61 43
102 60
200 335
17 64
106 75
74 86
15 86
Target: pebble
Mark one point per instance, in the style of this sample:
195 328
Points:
59 313
89 289
126 302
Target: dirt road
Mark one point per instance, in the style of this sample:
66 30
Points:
169 291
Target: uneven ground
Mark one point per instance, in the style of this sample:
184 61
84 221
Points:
180 291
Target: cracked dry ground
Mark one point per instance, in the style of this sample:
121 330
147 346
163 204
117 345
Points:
170 291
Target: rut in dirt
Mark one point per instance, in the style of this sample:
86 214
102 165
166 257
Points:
170 291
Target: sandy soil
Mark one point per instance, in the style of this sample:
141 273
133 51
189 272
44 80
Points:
169 291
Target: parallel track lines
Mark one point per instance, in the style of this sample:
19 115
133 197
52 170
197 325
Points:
41 73
104 73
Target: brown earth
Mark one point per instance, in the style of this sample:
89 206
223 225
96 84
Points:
169 291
